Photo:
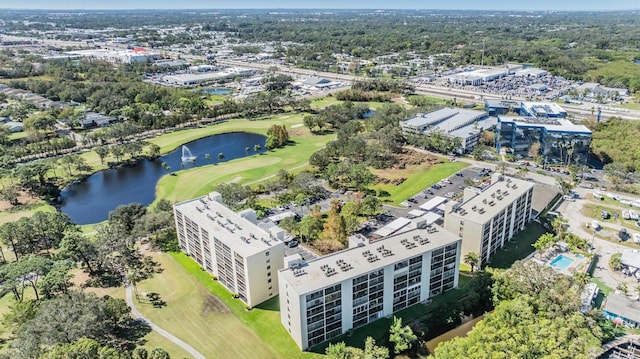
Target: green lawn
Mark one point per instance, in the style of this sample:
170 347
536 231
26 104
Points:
518 248
153 340
196 316
15 213
198 181
417 179
263 320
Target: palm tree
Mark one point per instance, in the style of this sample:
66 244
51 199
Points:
623 287
581 278
472 259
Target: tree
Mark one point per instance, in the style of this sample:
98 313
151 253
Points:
334 227
140 353
615 262
309 228
545 241
472 259
70 317
623 287
371 351
117 152
80 248
127 215
233 194
159 353
534 149
154 150
102 153
58 279
402 337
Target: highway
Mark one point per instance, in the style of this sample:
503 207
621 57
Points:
579 111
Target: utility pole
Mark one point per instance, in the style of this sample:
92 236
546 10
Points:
482 61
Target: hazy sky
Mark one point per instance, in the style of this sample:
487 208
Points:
577 5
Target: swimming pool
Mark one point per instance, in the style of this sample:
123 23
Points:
561 262
579 256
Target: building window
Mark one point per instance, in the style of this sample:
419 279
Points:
269 274
268 267
270 286
269 281
266 254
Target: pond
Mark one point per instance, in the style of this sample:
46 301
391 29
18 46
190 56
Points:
460 331
216 91
91 200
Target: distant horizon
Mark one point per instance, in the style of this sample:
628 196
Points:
455 5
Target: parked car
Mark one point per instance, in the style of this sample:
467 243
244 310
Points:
624 234
604 214
636 238
595 225
293 243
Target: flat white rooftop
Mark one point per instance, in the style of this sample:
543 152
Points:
433 203
560 125
352 262
493 199
232 229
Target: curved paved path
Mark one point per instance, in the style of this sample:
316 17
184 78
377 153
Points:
136 314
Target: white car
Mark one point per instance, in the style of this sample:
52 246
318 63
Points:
595 225
636 238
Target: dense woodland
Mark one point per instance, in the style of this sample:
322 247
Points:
54 318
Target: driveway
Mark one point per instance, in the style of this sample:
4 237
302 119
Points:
572 212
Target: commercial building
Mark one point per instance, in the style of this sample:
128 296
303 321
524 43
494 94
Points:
137 54
558 137
467 125
244 257
191 79
477 77
326 297
487 219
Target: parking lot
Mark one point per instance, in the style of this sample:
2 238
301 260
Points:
450 187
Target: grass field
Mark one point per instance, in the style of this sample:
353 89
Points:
204 314
417 179
198 181
518 248
197 317
16 213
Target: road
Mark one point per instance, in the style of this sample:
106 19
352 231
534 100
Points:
572 212
586 110
136 314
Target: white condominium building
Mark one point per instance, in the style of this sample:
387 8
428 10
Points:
244 257
486 220
327 296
